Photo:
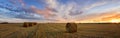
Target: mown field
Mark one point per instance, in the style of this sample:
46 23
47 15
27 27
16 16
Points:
57 30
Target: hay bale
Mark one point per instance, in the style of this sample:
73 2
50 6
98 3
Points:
28 24
71 27
34 23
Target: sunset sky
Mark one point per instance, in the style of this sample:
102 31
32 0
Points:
59 10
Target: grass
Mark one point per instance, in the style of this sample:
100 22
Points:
57 30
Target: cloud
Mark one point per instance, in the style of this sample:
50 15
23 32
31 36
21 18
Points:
55 10
64 11
72 10
94 5
52 3
24 14
46 13
112 12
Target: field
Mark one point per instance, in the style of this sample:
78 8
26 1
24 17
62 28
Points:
57 30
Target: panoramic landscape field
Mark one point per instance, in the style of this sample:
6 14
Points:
59 18
58 30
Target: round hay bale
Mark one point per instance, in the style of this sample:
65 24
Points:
34 23
26 24
30 24
71 27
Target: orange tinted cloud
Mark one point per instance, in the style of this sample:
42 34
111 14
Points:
22 3
46 12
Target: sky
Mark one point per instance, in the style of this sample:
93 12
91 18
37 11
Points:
59 10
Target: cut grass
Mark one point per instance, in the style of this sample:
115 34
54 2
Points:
57 30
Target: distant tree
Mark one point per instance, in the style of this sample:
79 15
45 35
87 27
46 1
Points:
4 23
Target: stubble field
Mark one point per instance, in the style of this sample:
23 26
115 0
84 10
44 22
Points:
58 30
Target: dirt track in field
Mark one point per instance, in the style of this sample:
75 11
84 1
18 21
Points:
57 30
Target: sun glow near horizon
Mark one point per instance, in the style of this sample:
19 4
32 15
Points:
115 20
